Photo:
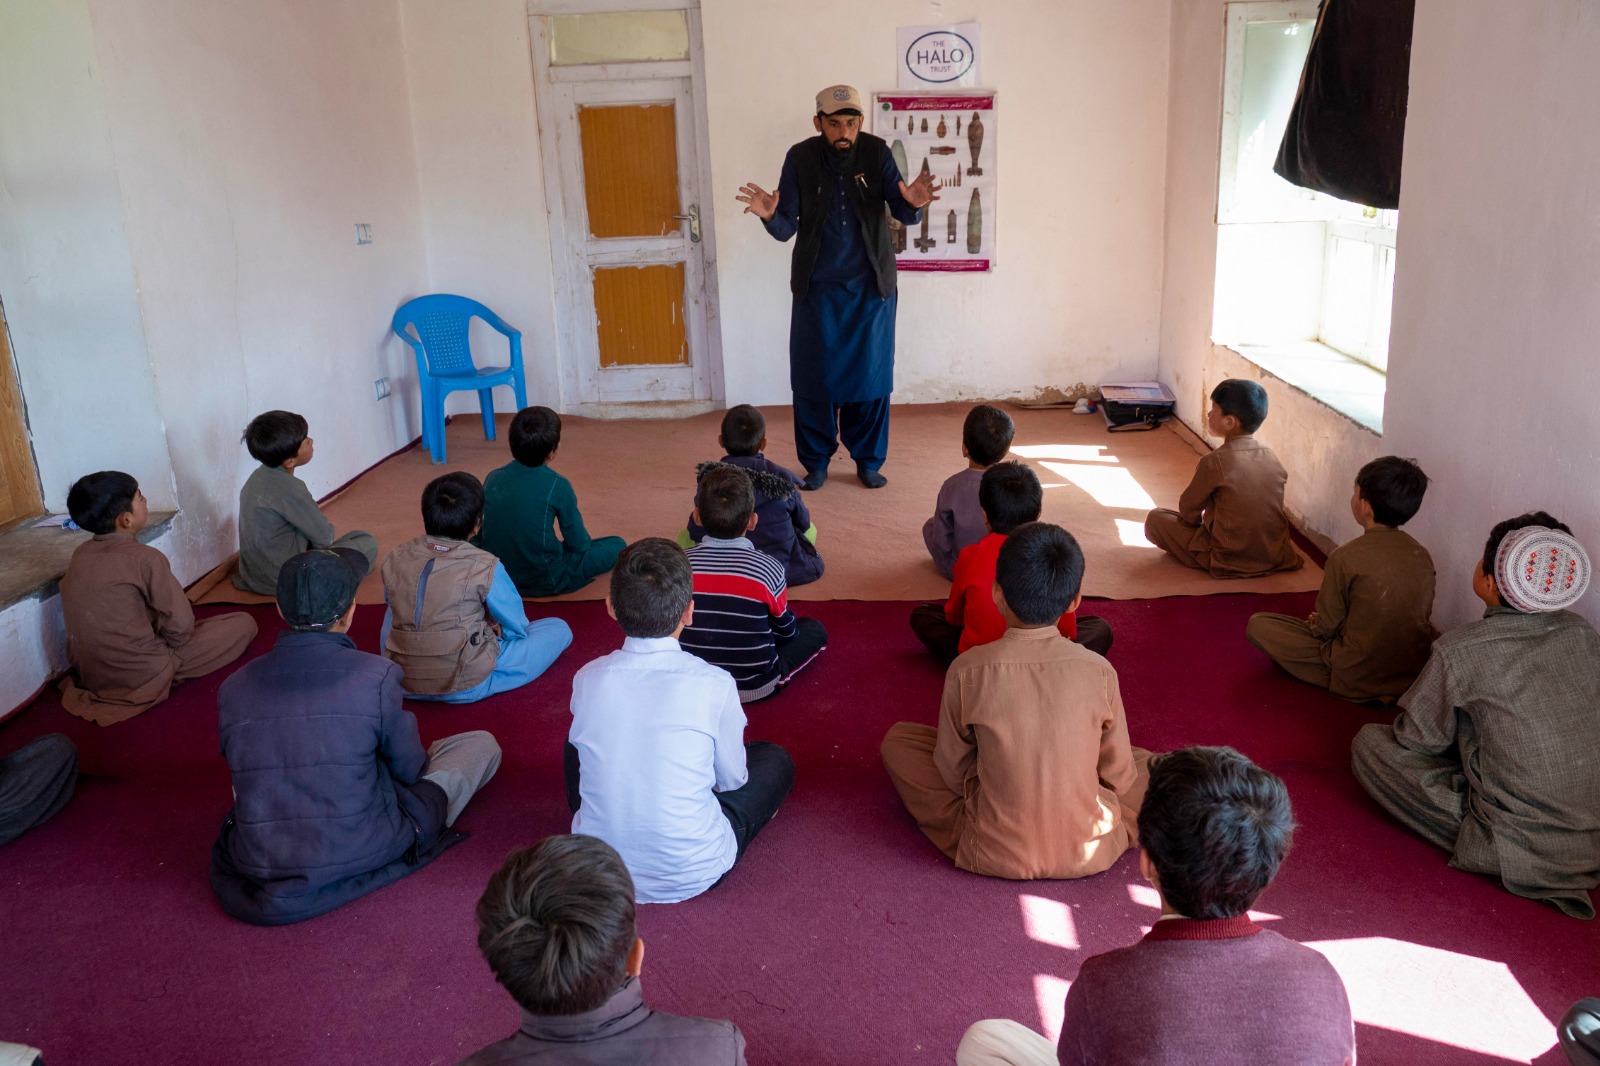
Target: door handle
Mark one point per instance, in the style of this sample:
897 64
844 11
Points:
693 218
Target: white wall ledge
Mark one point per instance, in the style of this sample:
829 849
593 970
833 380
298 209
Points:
1337 381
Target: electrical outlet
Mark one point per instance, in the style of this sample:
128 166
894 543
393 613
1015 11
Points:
363 233
380 389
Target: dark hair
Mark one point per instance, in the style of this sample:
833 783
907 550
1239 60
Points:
95 501
556 924
1010 495
275 436
452 504
1040 570
726 499
534 434
1394 487
1217 827
1496 535
743 427
987 433
651 586
1244 400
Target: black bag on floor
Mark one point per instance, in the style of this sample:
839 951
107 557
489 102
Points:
1135 405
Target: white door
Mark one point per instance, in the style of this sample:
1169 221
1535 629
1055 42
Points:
630 228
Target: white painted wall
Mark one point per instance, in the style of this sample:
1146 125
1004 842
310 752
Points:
179 184
66 276
1321 449
470 76
1495 363
1075 295
1083 94
249 139
1492 366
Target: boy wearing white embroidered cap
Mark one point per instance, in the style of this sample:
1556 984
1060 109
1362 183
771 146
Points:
1492 758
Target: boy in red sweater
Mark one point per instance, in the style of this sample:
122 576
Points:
1010 496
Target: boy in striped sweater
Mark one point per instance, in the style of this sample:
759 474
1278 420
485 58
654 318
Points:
742 620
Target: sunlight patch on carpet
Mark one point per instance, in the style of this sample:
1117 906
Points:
1071 453
1439 995
1050 993
1109 486
1132 533
1049 922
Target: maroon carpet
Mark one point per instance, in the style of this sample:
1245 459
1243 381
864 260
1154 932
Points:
842 938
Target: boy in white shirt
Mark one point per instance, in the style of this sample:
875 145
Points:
658 735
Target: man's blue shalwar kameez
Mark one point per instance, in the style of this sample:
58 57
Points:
841 332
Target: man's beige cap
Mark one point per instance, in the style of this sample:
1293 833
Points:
836 98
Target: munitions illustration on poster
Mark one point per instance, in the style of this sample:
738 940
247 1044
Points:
952 136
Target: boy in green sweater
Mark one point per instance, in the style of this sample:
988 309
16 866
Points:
524 502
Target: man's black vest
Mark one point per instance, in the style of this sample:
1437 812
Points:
866 198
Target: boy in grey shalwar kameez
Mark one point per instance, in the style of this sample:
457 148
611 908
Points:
1496 756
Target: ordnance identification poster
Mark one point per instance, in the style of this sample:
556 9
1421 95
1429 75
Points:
953 136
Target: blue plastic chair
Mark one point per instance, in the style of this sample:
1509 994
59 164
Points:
436 328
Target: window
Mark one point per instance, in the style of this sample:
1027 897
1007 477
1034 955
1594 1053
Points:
618 37
1292 265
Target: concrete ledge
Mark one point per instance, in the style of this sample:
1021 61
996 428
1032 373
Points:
35 558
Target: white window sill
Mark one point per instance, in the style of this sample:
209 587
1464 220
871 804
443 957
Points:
1350 387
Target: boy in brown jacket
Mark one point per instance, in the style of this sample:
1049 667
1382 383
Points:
456 623
1029 773
131 634
1370 633
1230 520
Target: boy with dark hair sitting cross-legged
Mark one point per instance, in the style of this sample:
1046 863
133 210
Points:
743 622
1370 633
455 622
131 633
656 761
783 528
957 520
556 925
1230 521
1029 772
525 502
1493 756
1009 495
334 795
278 518
1206 985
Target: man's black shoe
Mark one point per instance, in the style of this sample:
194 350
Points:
814 479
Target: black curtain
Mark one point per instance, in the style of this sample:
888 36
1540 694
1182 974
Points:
1348 124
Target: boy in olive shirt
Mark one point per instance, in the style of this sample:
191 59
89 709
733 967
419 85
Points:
278 519
524 502
1370 633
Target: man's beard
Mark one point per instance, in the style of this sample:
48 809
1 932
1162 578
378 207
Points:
841 148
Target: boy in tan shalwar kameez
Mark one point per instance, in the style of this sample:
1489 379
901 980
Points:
131 634
1370 633
1230 520
1029 773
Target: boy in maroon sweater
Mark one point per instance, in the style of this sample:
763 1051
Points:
1206 984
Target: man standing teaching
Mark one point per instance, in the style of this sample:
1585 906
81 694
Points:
834 191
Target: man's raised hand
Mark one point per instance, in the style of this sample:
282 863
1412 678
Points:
758 202
923 191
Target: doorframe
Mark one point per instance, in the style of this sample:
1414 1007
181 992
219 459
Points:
27 477
552 151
